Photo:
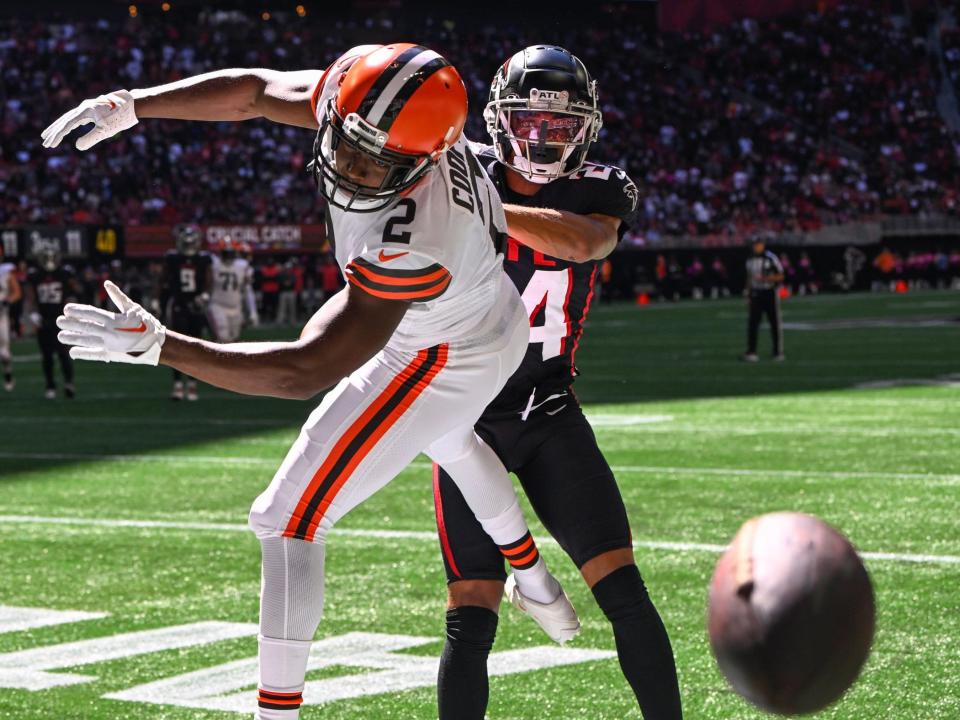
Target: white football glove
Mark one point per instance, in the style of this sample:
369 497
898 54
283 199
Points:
112 337
111 113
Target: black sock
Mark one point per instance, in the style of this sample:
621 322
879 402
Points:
462 686
643 646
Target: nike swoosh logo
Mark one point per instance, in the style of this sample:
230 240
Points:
530 408
554 412
140 329
383 257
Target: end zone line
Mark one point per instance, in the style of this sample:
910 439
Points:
418 535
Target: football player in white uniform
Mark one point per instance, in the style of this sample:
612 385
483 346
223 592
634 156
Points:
9 293
231 287
425 334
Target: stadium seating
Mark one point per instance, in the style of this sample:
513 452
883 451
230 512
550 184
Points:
747 128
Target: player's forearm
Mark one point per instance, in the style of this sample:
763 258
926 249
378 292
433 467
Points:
344 334
233 94
563 234
274 369
220 95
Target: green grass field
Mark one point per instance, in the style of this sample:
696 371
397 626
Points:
860 426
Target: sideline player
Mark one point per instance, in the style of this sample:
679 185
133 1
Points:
9 294
49 285
230 289
764 277
426 332
185 294
566 215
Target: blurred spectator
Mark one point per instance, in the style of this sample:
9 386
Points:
270 288
786 125
695 278
884 264
719 280
287 309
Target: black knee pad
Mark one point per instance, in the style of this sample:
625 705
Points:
471 628
622 595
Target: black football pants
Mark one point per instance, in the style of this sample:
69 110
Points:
765 302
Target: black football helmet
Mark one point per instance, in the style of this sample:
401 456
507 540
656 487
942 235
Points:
188 238
49 257
543 113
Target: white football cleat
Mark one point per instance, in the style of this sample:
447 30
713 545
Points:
558 619
9 385
50 394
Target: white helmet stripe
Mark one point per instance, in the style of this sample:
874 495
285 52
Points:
399 80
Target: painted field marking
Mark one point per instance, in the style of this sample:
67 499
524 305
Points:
16 619
179 422
943 478
614 420
420 535
28 669
227 687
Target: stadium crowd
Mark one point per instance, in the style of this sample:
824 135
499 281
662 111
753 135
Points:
782 125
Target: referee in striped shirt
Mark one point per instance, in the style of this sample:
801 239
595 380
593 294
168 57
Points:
764 277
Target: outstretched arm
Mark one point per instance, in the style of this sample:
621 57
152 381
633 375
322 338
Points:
237 94
563 234
346 332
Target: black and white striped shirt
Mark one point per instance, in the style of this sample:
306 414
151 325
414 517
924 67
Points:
759 268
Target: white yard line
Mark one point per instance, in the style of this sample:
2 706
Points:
942 478
176 421
414 535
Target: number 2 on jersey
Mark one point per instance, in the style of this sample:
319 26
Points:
549 292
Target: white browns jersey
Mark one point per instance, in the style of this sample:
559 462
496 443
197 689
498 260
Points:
229 280
436 247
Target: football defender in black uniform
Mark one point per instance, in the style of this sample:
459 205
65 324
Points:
565 215
187 280
49 286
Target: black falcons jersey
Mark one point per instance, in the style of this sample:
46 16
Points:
556 292
185 276
52 289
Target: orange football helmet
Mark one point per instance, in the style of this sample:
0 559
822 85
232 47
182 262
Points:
396 111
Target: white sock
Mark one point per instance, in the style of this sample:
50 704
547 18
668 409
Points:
291 605
283 667
533 579
485 485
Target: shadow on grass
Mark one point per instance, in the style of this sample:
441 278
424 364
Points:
628 355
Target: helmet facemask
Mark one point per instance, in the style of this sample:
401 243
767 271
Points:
543 137
49 258
393 172
188 239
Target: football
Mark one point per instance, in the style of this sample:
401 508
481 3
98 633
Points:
791 613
